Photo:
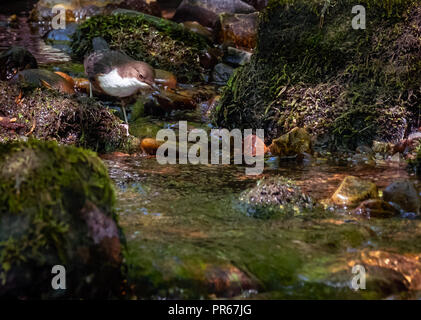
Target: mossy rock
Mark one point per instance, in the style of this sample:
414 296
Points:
347 87
353 190
295 142
161 43
274 196
51 115
57 208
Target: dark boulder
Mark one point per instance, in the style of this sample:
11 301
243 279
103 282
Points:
14 60
57 208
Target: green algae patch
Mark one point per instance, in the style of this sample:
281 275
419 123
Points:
312 70
163 44
56 208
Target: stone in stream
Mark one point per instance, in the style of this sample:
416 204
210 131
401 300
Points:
196 27
222 73
258 4
15 59
239 30
353 190
207 12
237 57
57 208
403 194
296 142
275 195
150 145
165 78
376 208
44 78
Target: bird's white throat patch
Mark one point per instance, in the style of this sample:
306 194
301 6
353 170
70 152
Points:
114 85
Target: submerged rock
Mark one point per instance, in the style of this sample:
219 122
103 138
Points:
275 195
293 143
404 195
57 208
47 114
150 145
353 190
15 59
376 208
237 56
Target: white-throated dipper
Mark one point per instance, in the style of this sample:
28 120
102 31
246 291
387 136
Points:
116 74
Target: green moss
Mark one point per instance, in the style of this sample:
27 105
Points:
42 187
159 42
350 86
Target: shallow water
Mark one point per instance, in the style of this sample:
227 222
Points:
183 220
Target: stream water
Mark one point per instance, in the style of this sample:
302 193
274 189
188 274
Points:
187 234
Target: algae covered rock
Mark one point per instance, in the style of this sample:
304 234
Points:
161 43
272 196
354 190
56 208
348 87
293 143
51 115
376 208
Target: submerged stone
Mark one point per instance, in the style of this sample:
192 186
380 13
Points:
57 208
376 208
239 30
404 195
354 190
222 73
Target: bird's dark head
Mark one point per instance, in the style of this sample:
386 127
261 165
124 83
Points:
145 73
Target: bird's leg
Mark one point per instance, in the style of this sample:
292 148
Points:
123 107
90 90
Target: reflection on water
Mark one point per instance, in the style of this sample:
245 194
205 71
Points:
27 35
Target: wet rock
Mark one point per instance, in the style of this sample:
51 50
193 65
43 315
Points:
293 143
48 114
196 27
210 57
60 213
237 57
150 146
15 59
275 195
81 84
228 281
44 78
403 194
222 73
61 38
382 147
239 30
77 10
180 100
376 208
207 12
353 190
258 4
165 79
408 266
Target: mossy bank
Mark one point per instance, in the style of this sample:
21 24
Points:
312 69
161 43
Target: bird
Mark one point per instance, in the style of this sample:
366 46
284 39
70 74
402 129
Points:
115 74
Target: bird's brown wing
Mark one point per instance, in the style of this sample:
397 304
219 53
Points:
102 62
